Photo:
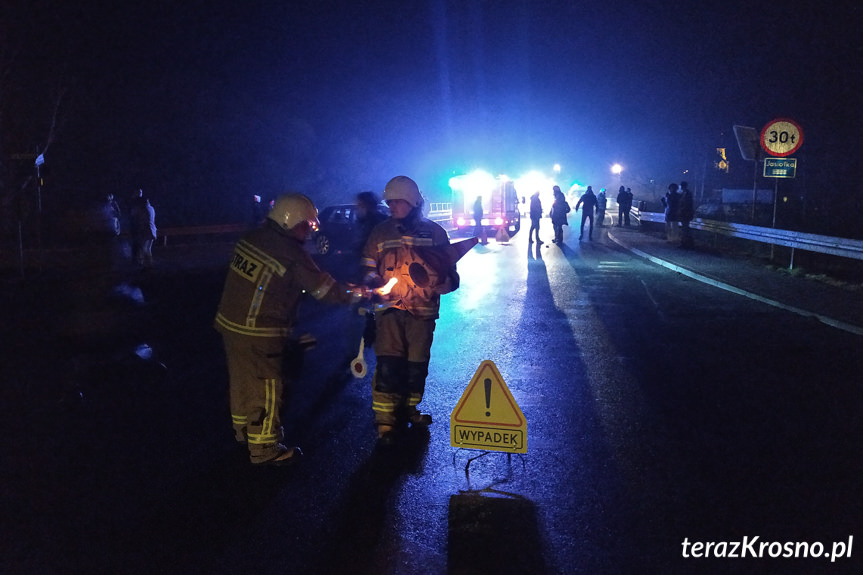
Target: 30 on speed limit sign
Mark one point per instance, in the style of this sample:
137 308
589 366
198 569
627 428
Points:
781 137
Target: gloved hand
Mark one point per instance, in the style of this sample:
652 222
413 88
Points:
370 331
360 293
373 280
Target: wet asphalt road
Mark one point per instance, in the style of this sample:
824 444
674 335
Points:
659 409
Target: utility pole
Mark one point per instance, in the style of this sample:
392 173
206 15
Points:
40 160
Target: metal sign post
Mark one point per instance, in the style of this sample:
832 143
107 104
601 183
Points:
779 168
780 137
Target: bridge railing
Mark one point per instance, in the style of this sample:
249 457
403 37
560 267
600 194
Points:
842 247
440 212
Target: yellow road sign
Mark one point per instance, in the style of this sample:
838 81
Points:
487 416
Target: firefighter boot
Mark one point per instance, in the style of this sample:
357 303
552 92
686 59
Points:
387 396
417 372
284 457
419 419
387 435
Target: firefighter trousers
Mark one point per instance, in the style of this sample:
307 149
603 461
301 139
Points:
403 350
256 386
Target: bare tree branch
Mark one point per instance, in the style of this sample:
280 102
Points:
52 130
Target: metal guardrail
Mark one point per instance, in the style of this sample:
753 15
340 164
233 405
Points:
165 233
441 213
652 217
842 247
440 208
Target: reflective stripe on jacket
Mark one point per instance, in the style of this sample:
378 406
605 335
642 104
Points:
268 275
388 254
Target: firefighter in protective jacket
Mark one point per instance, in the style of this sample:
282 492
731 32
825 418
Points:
405 329
268 275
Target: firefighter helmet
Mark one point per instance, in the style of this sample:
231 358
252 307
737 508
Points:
291 209
403 188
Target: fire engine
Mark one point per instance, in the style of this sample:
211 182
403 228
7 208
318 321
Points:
499 202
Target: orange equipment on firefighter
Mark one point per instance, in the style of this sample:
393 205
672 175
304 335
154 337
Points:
417 254
431 266
268 276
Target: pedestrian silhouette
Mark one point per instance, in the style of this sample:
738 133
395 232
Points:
479 230
601 204
535 217
686 213
559 209
671 201
588 200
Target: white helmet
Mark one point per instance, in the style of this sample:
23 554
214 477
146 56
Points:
291 209
403 188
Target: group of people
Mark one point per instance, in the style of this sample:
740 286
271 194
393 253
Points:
141 218
589 203
624 206
269 274
559 210
679 211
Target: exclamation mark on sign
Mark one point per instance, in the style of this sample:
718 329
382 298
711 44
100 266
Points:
488 397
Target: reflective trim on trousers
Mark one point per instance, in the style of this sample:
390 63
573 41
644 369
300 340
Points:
384 406
267 434
264 439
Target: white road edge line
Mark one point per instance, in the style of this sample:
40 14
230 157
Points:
716 283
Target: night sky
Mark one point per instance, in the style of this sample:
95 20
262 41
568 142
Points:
203 104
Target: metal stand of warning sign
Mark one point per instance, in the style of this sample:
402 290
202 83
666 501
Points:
483 454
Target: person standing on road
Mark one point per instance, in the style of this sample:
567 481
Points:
269 274
601 204
559 209
135 203
535 217
112 213
370 213
621 206
478 230
257 212
588 199
144 217
406 328
686 213
101 232
671 201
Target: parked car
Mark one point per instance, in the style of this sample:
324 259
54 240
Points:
339 231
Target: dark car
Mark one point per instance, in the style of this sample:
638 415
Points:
339 231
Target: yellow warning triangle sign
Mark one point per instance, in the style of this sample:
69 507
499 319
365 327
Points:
487 416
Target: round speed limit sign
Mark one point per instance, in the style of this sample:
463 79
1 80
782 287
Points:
781 137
